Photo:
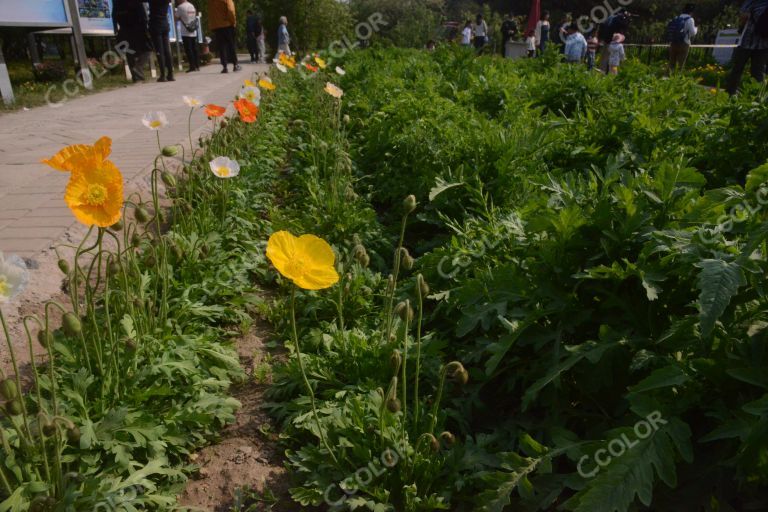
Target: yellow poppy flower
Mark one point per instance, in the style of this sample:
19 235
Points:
61 161
334 90
308 261
95 190
249 83
266 84
320 62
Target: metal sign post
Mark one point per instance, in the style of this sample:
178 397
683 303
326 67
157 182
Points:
77 36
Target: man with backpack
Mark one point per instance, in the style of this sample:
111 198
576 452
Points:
753 45
680 31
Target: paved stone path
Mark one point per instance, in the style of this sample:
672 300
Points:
32 209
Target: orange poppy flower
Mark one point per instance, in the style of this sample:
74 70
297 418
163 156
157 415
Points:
95 191
247 109
311 67
212 110
62 161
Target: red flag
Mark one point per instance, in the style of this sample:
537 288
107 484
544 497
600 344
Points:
534 16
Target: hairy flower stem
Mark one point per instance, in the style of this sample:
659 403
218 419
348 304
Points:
15 365
304 376
418 358
438 399
396 271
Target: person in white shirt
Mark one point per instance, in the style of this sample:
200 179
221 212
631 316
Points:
480 31
187 16
530 41
466 34
681 30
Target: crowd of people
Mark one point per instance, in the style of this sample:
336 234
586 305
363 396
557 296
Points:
141 31
602 48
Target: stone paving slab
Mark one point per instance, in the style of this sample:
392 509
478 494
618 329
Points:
32 210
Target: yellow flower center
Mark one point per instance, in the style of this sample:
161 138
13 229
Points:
155 124
222 172
296 268
4 287
96 195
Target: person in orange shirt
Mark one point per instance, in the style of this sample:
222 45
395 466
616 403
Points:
222 19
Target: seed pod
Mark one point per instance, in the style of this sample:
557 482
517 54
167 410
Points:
169 179
71 324
395 360
45 338
406 259
422 288
73 435
177 252
13 408
170 151
448 439
117 226
365 260
64 266
409 204
404 311
393 405
8 389
141 214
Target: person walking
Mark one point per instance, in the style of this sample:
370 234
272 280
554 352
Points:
283 38
592 46
617 23
222 19
132 30
753 45
187 16
508 34
680 31
253 31
480 31
159 32
542 32
261 42
575 45
616 53
466 34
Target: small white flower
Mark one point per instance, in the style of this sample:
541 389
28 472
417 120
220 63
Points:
192 101
340 71
13 277
333 90
252 94
155 120
282 68
223 167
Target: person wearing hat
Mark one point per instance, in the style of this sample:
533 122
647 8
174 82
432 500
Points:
616 54
680 32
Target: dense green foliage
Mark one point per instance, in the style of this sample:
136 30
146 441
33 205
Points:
595 249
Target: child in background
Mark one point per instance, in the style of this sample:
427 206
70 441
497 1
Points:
466 34
616 54
530 41
592 45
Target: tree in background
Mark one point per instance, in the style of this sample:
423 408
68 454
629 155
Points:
410 23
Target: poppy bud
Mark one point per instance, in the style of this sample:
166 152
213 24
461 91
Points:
389 459
135 239
350 194
422 288
117 226
150 261
170 151
393 405
456 371
48 428
130 345
395 360
406 259
177 252
169 179
73 435
113 268
13 408
42 504
346 119
71 324
448 439
409 204
404 311
64 266
8 389
365 260
45 338
434 444
223 123
141 214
